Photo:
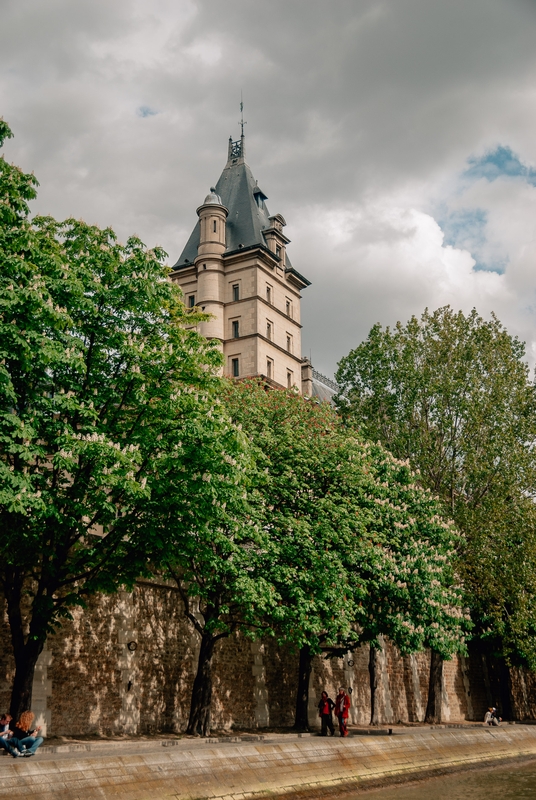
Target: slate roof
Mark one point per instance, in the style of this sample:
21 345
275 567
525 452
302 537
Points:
248 214
323 388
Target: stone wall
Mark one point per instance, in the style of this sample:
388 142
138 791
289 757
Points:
126 664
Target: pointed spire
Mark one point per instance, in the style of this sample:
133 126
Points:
237 149
242 123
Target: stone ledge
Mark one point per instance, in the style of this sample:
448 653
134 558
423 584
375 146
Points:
301 767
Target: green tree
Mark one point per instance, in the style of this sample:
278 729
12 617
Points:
414 594
356 549
104 397
296 494
500 576
216 557
451 393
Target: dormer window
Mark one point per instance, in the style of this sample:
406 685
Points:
259 196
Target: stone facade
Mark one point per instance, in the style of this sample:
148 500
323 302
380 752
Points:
126 665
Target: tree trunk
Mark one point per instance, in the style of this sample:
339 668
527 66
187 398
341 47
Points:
21 693
301 721
435 689
26 649
374 683
200 707
505 690
500 685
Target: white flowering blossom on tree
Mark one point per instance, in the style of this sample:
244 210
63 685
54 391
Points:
105 409
356 549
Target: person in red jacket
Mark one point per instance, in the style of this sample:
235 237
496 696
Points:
342 704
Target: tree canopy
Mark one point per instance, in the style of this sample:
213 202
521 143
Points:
105 396
450 393
356 548
349 527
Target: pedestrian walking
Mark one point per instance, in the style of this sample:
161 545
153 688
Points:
342 705
325 709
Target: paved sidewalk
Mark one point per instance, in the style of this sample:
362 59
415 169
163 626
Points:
79 748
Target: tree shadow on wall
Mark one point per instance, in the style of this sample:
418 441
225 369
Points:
167 658
85 673
233 699
281 664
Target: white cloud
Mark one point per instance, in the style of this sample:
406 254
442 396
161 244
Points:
379 262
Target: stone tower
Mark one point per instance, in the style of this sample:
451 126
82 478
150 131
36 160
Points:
235 266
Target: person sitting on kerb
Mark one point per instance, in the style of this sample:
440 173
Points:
11 744
27 737
491 717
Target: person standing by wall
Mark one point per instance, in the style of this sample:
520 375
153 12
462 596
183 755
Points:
342 705
325 707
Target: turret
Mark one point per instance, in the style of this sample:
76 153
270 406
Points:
209 263
212 216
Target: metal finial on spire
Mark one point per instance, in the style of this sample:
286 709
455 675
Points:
242 123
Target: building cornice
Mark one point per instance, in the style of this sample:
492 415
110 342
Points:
265 378
265 303
262 248
272 275
264 339
298 279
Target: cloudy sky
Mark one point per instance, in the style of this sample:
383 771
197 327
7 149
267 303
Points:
397 137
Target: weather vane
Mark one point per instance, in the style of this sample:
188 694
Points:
242 123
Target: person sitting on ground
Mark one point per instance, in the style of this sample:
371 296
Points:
325 707
27 737
492 717
8 742
342 704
